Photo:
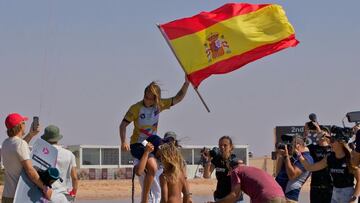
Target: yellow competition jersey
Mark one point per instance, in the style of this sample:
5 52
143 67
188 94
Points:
145 119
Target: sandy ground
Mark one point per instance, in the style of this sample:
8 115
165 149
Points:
121 189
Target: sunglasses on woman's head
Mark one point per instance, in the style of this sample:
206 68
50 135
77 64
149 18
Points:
333 139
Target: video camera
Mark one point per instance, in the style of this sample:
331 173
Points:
286 140
353 117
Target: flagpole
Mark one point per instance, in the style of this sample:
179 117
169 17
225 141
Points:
173 51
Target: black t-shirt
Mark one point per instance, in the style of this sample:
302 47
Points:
322 177
223 186
357 142
339 172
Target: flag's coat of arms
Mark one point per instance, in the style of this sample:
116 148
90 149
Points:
216 46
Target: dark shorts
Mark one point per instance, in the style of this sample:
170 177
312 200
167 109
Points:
137 150
7 200
320 194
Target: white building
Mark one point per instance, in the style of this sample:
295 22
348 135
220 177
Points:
109 162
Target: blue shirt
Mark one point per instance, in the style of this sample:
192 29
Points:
292 188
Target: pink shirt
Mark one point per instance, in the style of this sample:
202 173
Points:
256 183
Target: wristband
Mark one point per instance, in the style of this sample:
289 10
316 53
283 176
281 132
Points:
188 194
73 192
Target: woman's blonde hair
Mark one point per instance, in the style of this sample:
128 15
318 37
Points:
154 88
172 161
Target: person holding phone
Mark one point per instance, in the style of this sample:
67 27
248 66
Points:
15 154
145 116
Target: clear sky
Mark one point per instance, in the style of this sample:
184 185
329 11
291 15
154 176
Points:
81 64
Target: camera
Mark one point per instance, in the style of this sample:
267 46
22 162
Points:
340 133
286 140
215 154
339 130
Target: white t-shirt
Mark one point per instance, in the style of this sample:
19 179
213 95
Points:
65 162
14 151
155 189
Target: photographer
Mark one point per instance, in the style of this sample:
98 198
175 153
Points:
321 184
340 167
291 174
219 159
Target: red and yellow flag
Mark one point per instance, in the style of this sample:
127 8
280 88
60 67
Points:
227 38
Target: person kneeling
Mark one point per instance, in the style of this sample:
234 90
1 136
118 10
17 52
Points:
256 183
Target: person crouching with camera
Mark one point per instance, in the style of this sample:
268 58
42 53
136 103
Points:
219 159
290 173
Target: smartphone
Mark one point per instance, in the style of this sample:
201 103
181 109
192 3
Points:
35 123
144 143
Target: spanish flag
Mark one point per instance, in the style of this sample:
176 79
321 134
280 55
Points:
227 38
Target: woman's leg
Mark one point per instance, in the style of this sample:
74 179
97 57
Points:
151 168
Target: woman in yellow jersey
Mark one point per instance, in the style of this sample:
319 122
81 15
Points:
145 115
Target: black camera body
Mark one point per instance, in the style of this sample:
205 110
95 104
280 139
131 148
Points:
340 133
286 140
215 154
